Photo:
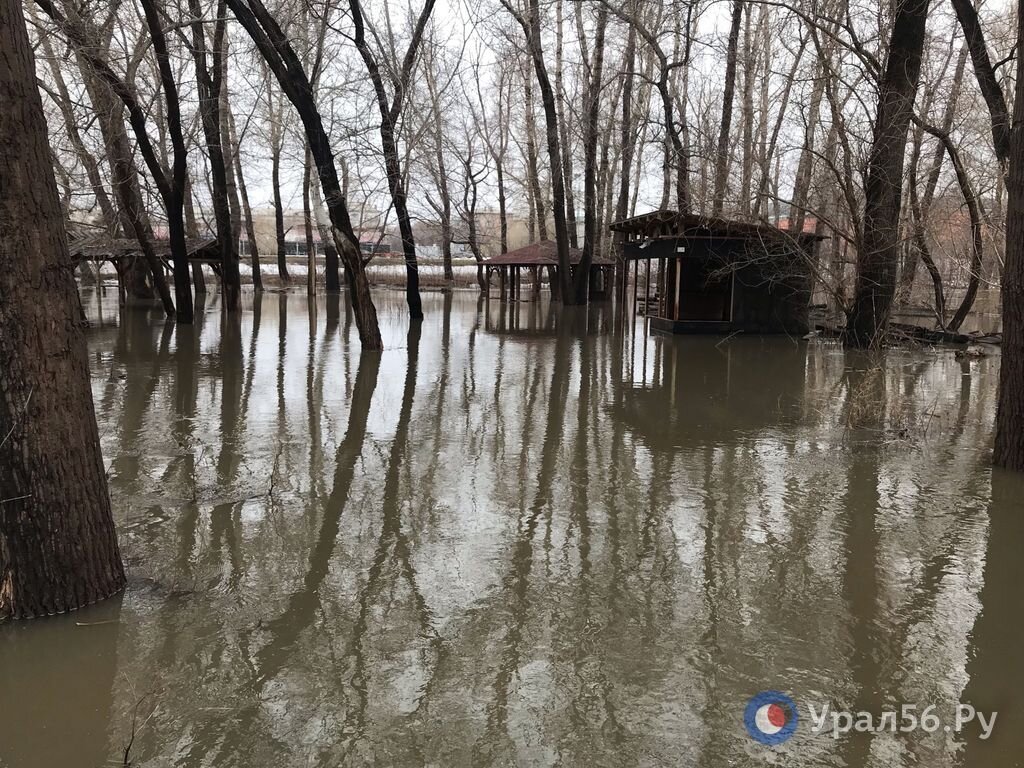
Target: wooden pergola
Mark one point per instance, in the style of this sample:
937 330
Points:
537 257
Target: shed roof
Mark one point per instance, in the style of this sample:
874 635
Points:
540 254
669 223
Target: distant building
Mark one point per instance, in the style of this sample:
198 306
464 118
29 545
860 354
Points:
367 222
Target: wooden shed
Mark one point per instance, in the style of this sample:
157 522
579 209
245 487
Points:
697 274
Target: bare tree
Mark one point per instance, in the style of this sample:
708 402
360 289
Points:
390 111
282 60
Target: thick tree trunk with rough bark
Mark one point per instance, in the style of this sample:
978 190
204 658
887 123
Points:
58 547
1009 449
878 252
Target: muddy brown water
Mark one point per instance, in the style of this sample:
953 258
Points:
520 537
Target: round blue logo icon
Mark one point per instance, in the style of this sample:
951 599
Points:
770 717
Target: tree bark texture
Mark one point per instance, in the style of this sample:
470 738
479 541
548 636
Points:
58 547
1009 448
878 252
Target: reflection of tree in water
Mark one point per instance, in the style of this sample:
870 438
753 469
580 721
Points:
622 588
515 585
391 564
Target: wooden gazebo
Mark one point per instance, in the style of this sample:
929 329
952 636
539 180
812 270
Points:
118 250
537 257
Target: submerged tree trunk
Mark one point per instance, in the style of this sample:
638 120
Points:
275 182
878 251
581 279
280 56
1009 448
192 230
58 547
210 79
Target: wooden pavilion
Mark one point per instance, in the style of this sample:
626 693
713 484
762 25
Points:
536 258
697 274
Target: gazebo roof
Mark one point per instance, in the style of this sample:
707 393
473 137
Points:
99 247
543 253
669 223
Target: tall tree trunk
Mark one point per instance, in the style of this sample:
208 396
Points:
581 278
725 127
627 142
228 151
250 227
1009 448
563 123
58 546
747 108
805 166
210 79
878 251
442 178
275 183
307 222
469 198
532 167
172 190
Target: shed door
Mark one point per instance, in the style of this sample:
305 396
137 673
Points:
704 290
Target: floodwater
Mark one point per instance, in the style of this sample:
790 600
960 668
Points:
519 537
